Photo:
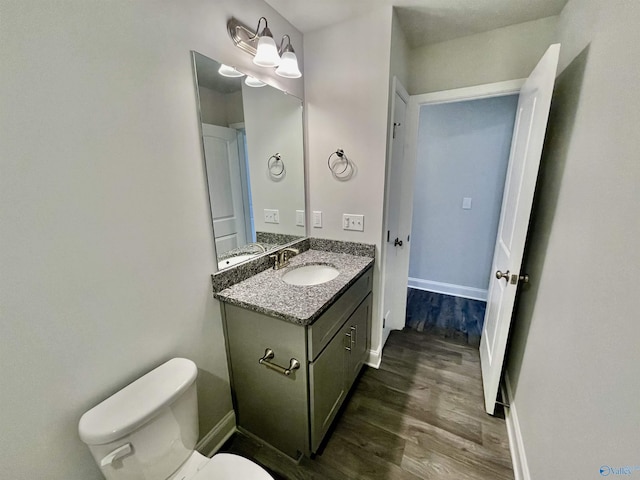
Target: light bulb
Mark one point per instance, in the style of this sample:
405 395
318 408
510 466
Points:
253 82
227 71
267 53
289 66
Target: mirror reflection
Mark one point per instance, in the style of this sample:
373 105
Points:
253 155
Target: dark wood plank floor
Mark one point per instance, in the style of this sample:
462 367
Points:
445 315
420 416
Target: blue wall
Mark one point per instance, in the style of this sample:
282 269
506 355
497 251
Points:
463 151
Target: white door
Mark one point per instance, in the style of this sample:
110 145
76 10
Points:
396 234
526 149
225 187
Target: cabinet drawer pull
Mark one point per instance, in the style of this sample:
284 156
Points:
269 354
348 335
354 337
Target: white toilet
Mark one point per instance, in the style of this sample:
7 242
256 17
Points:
148 431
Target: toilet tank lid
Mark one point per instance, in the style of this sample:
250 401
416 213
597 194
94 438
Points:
134 405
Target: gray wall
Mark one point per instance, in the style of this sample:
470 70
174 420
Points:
463 151
106 246
574 357
274 125
346 105
500 54
220 109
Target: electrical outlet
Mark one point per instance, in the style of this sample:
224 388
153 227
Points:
352 221
271 215
300 218
317 219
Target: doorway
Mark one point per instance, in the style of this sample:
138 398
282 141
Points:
462 157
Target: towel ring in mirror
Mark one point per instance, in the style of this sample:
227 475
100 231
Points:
272 163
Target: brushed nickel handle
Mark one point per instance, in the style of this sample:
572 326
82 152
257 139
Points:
269 354
349 347
354 337
500 275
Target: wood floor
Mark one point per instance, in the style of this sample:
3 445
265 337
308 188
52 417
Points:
420 416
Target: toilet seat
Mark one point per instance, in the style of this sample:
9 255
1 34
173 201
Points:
227 466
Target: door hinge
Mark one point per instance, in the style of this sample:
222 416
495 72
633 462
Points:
394 128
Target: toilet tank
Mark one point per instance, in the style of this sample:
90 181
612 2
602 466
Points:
147 429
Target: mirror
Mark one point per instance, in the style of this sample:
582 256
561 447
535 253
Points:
252 141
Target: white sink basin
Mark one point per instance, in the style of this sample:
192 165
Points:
230 262
310 275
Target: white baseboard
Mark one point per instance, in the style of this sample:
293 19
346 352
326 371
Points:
212 441
375 358
516 445
448 289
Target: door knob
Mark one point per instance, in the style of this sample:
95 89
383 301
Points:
500 275
523 278
397 242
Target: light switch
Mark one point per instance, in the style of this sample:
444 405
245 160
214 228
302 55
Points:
466 203
317 219
352 221
271 215
300 218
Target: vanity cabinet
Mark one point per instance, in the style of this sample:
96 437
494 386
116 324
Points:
334 371
294 412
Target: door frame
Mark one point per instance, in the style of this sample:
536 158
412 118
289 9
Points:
497 89
396 88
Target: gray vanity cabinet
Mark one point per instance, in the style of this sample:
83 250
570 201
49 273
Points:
293 412
336 368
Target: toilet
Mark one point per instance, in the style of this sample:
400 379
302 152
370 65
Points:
149 429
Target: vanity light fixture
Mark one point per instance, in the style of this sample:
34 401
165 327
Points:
227 71
266 52
288 67
253 82
262 47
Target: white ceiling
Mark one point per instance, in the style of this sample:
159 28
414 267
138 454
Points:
423 21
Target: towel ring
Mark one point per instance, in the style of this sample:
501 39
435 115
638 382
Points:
270 165
340 157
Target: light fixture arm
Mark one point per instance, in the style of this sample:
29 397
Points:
288 47
255 35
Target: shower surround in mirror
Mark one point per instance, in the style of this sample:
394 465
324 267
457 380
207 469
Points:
242 128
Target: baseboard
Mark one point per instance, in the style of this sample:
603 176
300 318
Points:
516 445
448 289
374 359
212 441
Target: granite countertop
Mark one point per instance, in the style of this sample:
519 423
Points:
267 293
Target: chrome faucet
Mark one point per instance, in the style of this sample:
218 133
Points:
281 258
258 246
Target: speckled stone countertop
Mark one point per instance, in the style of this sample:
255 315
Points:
267 293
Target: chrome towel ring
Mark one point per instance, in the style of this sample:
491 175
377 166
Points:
272 164
337 160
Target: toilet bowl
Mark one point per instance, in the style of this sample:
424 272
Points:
149 429
222 466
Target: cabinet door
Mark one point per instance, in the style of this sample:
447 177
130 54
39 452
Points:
358 326
327 385
268 404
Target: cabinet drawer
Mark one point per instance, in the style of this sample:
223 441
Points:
325 327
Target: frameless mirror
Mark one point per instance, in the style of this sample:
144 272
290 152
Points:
253 154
